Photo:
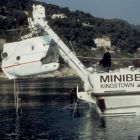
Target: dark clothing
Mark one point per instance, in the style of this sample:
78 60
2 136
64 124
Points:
106 61
73 96
106 69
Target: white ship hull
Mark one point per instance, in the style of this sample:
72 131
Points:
116 93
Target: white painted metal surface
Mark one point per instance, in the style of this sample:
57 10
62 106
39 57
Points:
122 81
23 58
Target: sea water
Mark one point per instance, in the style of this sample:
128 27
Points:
47 114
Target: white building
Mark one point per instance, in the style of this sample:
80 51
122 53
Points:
103 42
54 16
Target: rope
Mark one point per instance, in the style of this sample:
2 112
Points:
17 98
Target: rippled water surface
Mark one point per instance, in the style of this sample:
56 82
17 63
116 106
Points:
47 115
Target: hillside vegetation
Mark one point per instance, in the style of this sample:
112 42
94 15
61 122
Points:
77 30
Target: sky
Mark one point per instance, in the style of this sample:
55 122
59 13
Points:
122 9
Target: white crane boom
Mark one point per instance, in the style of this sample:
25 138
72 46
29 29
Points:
39 23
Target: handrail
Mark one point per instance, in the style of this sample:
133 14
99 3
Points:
111 58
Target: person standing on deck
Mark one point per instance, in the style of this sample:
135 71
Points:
106 60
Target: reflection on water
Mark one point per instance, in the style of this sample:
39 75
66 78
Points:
54 119
37 92
54 122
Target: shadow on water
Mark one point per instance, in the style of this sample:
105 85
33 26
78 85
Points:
53 122
49 122
38 91
48 115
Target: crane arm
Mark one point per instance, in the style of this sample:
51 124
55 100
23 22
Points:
40 24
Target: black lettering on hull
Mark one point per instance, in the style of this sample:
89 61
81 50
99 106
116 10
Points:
118 85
